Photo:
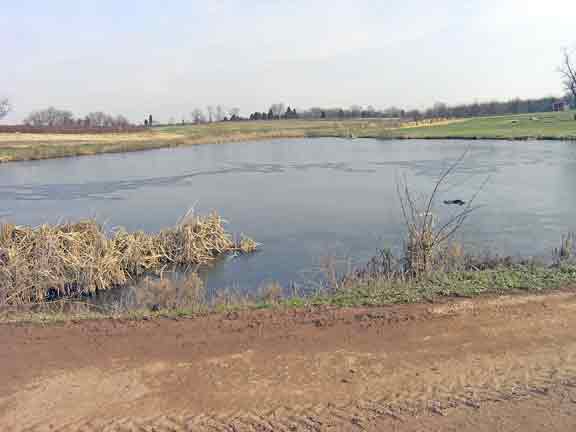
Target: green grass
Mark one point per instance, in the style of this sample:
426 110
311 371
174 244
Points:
505 280
514 279
15 147
525 126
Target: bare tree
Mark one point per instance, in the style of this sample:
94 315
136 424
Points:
99 119
5 107
121 121
50 117
198 116
278 109
234 113
220 113
210 110
568 71
96 119
355 110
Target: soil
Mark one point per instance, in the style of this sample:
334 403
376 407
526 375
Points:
505 363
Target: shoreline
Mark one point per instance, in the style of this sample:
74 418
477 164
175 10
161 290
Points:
465 287
537 127
232 139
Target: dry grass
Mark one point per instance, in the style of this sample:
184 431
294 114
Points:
52 261
567 250
271 293
32 138
165 294
429 122
428 237
16 147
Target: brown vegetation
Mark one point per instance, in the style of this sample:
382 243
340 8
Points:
27 129
428 238
62 260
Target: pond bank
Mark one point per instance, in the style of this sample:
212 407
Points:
187 298
468 365
537 126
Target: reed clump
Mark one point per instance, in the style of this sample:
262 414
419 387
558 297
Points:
51 261
567 250
187 294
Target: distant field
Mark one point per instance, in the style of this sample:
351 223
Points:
22 146
538 126
280 128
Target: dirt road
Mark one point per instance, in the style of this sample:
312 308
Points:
493 364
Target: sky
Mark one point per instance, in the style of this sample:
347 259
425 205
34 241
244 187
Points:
169 57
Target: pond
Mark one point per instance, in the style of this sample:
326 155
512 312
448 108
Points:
305 199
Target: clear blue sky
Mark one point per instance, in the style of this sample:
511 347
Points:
167 57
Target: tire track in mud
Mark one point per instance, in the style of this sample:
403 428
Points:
336 370
361 415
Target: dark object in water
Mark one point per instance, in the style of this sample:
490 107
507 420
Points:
455 202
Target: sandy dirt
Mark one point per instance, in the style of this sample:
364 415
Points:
504 364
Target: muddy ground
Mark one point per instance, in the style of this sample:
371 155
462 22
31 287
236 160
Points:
492 364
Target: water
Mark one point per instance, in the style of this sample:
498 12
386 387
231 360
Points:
305 199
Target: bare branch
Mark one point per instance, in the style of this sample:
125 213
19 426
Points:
459 218
443 177
425 241
568 72
5 107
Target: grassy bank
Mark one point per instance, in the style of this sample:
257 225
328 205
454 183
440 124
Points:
559 125
15 147
18 147
187 298
516 279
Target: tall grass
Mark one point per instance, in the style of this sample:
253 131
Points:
52 261
428 237
567 250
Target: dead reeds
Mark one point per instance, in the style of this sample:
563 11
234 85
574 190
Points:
52 261
567 250
428 236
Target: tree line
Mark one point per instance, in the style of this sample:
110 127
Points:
52 117
58 118
277 111
438 110
514 106
4 107
215 113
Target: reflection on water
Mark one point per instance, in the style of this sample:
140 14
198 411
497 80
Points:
306 198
